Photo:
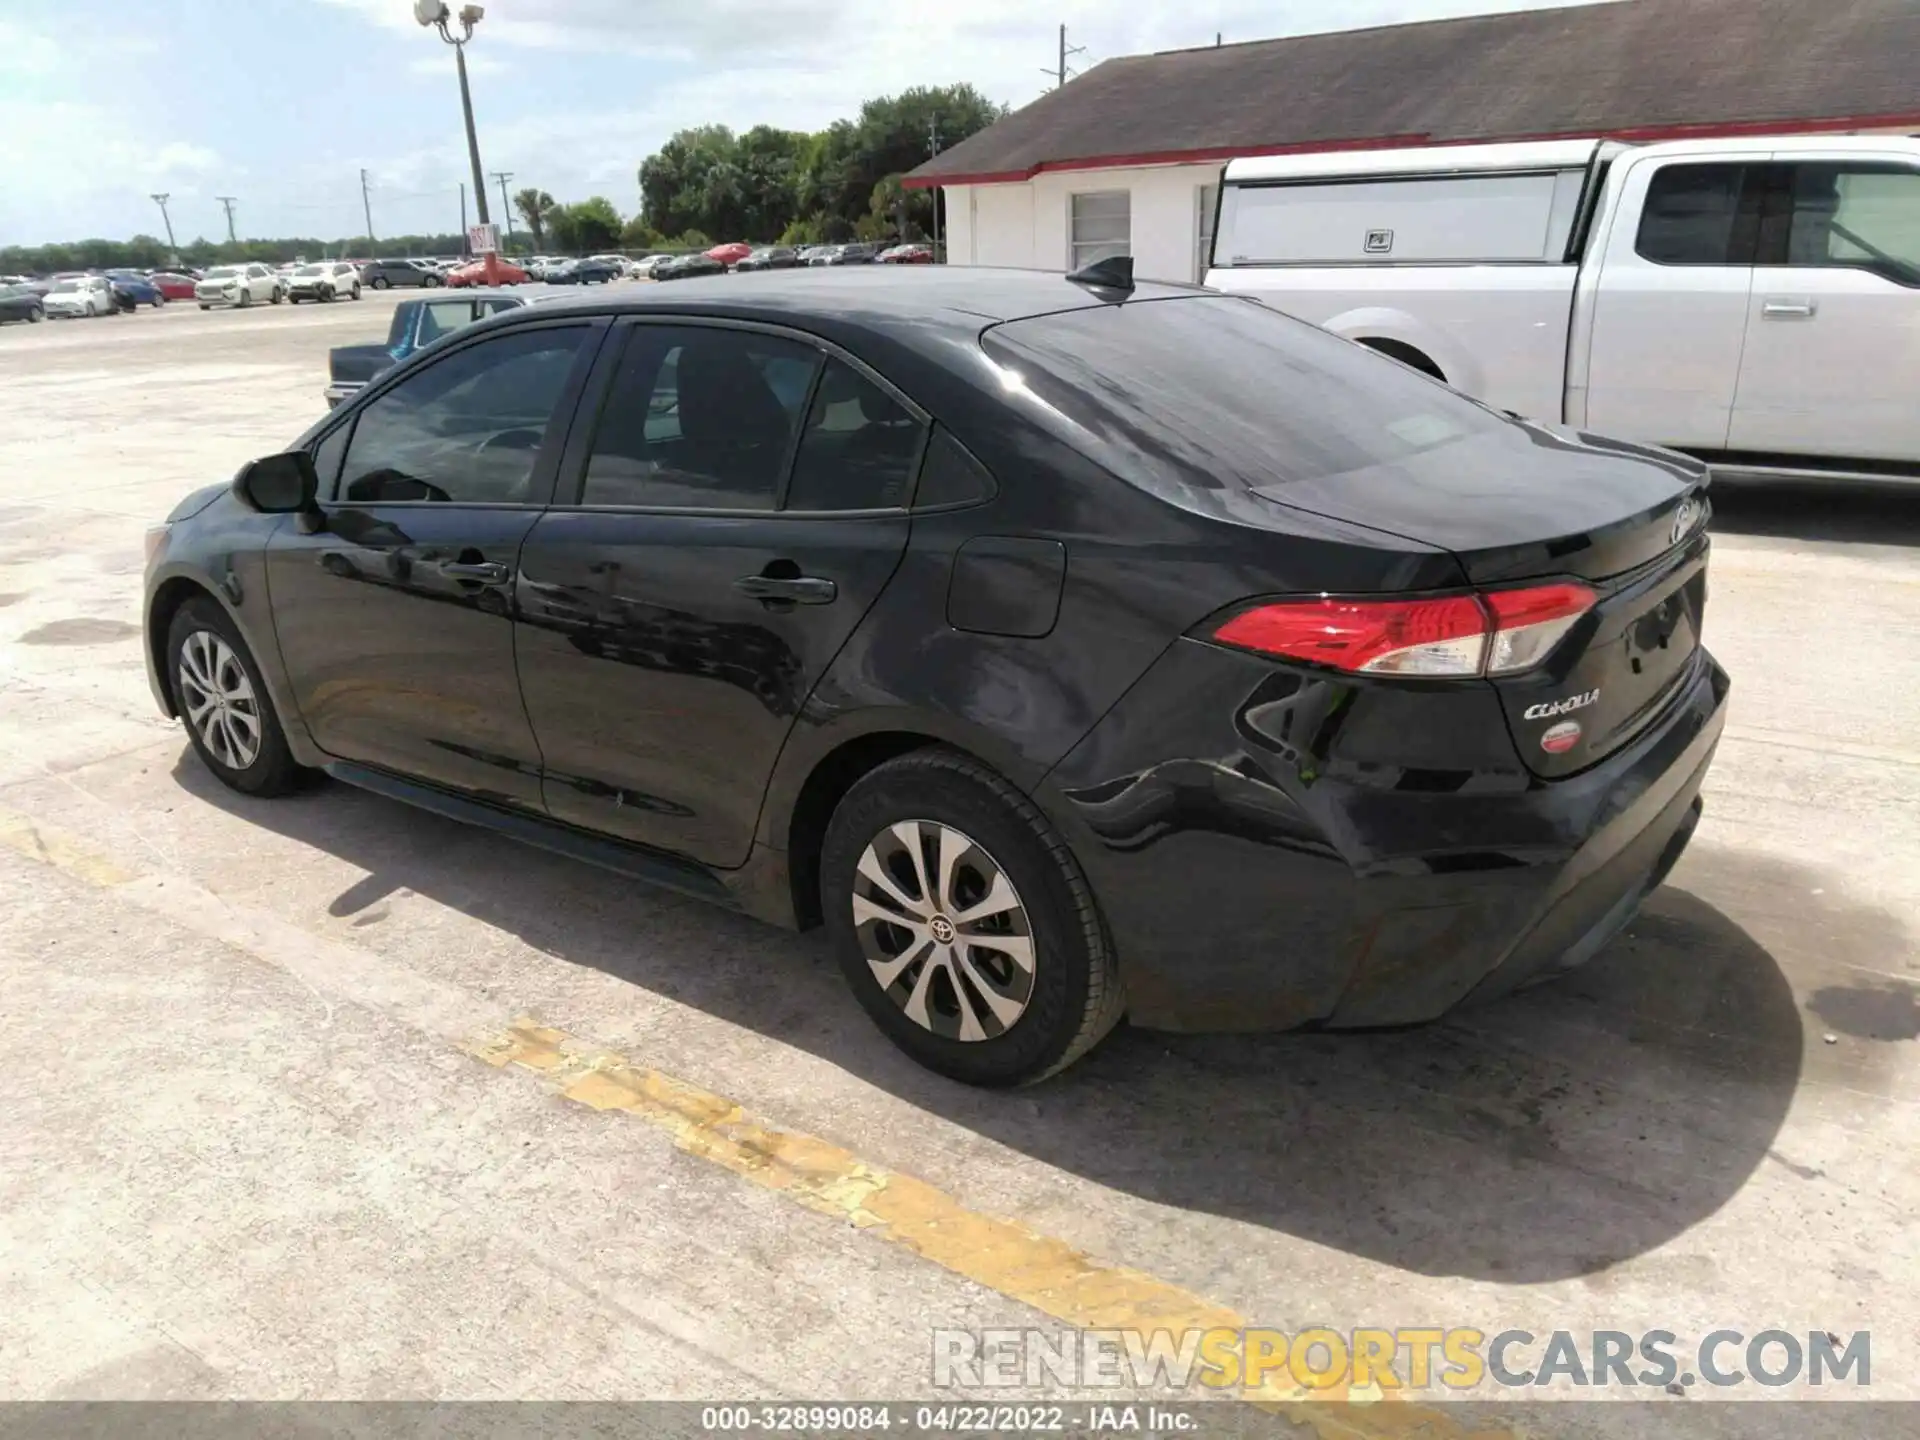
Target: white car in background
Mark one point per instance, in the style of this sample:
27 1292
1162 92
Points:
79 295
323 280
239 285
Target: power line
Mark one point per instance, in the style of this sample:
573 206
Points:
229 201
366 207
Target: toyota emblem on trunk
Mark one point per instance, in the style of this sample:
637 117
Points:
1684 519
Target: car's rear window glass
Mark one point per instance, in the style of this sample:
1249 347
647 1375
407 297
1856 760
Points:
1226 391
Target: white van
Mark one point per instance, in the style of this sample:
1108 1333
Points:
1754 301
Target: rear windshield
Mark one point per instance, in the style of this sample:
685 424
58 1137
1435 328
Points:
1228 392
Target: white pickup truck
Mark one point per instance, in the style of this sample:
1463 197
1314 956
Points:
1755 302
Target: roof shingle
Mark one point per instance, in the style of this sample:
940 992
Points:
1629 68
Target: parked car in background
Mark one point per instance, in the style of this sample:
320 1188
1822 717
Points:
584 272
20 301
912 254
239 285
474 272
1414 686
132 290
685 267
324 280
173 284
1751 301
860 252
80 296
399 274
647 266
770 257
415 325
730 253
621 264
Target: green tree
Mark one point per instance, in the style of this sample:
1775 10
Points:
535 206
692 240
637 234
592 224
681 182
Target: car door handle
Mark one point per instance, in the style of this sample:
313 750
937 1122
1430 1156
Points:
484 572
1788 309
802 589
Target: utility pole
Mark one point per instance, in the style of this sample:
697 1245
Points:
933 149
230 201
1059 72
465 249
366 208
161 200
503 176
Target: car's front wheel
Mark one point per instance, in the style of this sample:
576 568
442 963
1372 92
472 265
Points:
219 693
964 924
35 315
379 282
355 292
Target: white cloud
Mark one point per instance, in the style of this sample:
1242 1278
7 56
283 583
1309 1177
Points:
180 156
477 64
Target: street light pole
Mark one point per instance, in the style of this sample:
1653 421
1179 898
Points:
435 14
161 199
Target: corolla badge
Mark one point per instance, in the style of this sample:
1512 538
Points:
1546 709
1561 738
1684 519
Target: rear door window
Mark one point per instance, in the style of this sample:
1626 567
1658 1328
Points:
701 418
859 447
1700 215
1855 214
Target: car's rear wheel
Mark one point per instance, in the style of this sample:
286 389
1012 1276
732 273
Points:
355 292
379 282
204 305
246 298
219 693
35 315
964 924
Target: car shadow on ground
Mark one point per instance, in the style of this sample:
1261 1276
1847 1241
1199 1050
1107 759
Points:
1553 1134
1848 513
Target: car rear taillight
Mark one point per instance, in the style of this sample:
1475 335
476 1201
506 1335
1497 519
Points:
1495 633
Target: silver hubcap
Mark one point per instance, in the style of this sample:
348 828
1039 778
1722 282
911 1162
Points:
219 700
943 930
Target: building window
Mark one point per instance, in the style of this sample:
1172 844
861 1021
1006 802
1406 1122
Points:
1203 252
1102 225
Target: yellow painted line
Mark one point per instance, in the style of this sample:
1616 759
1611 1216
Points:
1038 1271
1034 1269
25 836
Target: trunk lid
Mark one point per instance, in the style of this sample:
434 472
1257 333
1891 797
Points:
357 363
1533 503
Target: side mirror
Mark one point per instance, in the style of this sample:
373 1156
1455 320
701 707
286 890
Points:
280 485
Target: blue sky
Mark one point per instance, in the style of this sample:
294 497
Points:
282 102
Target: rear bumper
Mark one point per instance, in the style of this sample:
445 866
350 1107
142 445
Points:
1256 875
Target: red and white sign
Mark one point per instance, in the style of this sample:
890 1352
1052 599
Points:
483 239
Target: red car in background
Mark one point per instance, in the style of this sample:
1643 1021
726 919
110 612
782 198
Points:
731 253
907 255
173 286
474 272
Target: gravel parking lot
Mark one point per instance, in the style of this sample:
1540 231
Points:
271 1131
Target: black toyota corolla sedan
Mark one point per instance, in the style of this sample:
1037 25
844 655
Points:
1069 648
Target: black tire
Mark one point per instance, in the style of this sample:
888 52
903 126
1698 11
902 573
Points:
205 306
273 770
277 297
1075 994
35 315
356 292
246 298
379 282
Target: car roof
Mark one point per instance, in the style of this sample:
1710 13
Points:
879 298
